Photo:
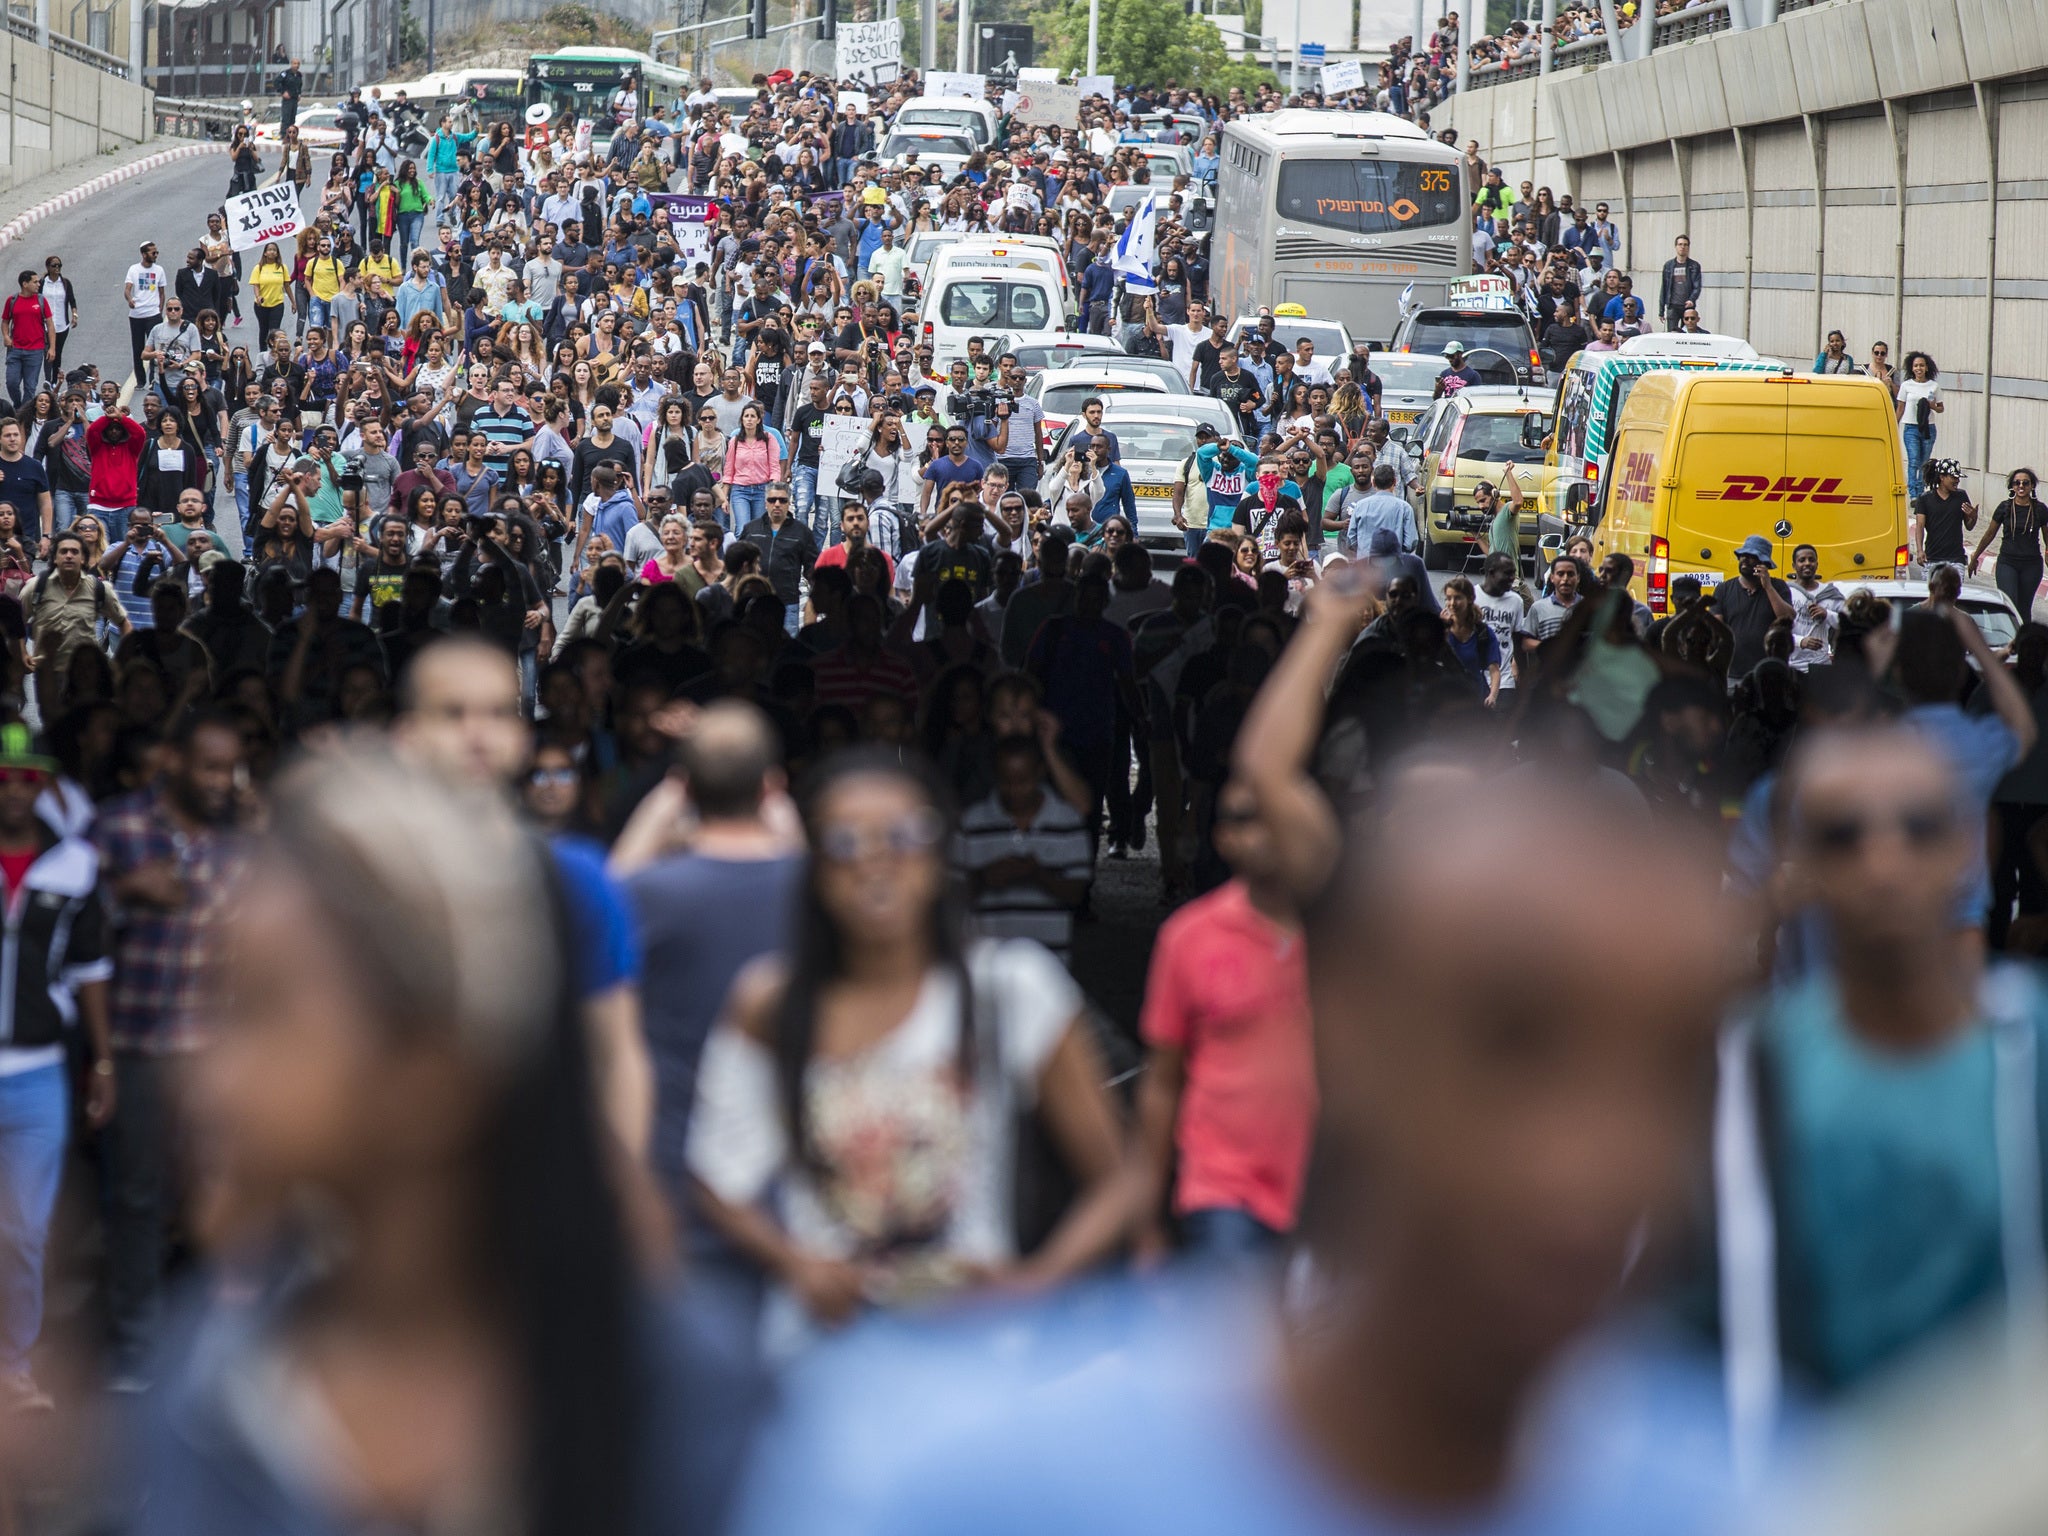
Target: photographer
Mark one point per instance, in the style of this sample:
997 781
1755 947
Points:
134 565
1020 438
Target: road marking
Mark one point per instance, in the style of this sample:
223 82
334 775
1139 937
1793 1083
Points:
21 223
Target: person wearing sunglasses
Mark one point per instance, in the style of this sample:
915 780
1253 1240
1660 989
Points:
874 1078
2018 568
1878 1115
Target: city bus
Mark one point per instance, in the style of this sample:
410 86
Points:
1344 213
578 82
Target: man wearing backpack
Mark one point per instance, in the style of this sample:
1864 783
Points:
25 320
62 606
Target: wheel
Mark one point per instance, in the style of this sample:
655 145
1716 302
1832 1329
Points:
1443 557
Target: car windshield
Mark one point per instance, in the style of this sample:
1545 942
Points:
989 302
922 247
1066 399
1399 370
1037 359
926 144
1505 334
1993 618
1166 440
1496 439
1327 339
968 125
1152 367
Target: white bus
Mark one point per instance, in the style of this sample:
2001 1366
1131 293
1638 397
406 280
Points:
1338 212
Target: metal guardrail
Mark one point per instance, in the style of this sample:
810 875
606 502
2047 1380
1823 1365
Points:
187 119
24 27
1684 26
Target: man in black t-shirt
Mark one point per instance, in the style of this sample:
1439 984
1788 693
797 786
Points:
1240 393
1751 603
807 431
1941 515
958 554
1209 352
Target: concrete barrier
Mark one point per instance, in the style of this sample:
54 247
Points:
60 111
1878 167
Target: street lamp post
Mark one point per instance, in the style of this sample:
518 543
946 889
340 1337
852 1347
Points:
1094 30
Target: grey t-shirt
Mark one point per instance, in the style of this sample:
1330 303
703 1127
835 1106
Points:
1546 617
380 472
174 345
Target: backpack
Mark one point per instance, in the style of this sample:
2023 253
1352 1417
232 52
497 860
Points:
41 584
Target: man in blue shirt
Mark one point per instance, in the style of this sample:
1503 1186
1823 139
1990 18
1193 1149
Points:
1117 493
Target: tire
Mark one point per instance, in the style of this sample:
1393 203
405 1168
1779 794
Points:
1443 557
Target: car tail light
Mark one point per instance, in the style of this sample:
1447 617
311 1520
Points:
1535 358
1447 463
1899 560
1593 471
927 328
1660 575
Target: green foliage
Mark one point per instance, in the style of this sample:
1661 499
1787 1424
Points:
1148 42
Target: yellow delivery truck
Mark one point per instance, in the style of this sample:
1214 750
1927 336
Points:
1701 461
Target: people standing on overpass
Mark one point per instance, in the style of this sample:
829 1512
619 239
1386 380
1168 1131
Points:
1919 402
1683 283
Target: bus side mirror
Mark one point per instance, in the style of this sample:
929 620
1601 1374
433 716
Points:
1533 435
1575 503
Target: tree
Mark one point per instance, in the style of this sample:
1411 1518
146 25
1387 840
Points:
1150 42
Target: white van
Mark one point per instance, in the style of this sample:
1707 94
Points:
1032 253
952 114
965 301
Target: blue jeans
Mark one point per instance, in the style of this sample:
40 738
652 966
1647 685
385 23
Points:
444 184
1196 538
747 502
241 500
803 485
408 235
1023 473
843 169
66 507
1919 444
316 312
24 373
35 1108
1228 1238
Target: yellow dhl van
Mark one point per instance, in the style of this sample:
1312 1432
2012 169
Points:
1701 461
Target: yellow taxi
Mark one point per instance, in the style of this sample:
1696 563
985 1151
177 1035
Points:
1478 434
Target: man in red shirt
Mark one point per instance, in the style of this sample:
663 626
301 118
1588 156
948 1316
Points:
25 319
853 537
1232 1081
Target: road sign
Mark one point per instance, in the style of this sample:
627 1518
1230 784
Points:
1311 53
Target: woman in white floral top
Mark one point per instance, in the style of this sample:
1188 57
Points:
856 1083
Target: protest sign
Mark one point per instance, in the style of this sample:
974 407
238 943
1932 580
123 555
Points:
1097 85
949 82
689 222
846 438
1347 76
267 214
870 50
1049 105
855 102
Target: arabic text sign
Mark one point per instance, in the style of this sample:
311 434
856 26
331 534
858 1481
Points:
267 214
1049 105
689 223
870 49
1347 76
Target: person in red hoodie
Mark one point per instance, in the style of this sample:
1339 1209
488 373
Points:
115 443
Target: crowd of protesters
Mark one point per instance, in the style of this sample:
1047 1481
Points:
544 934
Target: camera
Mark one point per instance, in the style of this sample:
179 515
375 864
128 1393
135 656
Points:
983 400
351 477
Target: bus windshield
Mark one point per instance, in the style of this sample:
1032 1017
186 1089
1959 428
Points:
576 87
1367 197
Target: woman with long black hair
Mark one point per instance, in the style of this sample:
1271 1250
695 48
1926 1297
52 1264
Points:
2018 570
402 1146
877 1075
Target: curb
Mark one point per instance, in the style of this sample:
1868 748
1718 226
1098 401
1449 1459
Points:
21 223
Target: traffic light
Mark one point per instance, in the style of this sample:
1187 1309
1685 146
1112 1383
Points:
757 19
829 27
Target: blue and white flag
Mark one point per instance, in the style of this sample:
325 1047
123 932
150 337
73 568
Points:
1135 250
1407 297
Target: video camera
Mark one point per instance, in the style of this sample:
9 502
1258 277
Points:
982 400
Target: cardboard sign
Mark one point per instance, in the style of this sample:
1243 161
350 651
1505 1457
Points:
949 82
870 50
845 439
267 214
689 223
1348 76
1050 106
1096 85
855 102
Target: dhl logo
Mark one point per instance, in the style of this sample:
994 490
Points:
1785 488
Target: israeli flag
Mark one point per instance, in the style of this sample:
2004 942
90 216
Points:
1407 296
1135 250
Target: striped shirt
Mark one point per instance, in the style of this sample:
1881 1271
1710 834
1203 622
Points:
506 431
1056 839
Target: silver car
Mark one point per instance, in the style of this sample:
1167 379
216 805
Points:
1407 387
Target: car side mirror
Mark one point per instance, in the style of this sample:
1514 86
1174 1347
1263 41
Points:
1533 435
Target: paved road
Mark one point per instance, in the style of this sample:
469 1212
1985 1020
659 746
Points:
98 241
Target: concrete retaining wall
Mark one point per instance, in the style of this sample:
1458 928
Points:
1878 167
62 112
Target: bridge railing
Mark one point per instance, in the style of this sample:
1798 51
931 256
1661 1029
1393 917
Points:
24 26
185 119
1684 26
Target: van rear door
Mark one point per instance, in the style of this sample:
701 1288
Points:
1727 466
1845 492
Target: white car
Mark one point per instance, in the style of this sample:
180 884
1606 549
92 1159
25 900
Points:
1992 609
1154 442
1329 338
319 128
1407 387
1035 356
1061 392
948 153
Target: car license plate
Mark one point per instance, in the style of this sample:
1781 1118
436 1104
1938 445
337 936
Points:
1404 415
1161 492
